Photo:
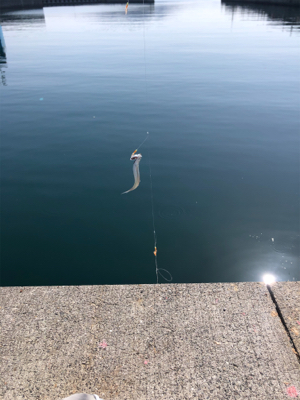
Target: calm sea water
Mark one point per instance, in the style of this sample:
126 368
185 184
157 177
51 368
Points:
218 89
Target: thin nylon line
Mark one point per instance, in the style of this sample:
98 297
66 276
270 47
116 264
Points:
143 142
145 64
153 221
158 271
151 185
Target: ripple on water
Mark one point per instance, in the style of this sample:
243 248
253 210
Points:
288 244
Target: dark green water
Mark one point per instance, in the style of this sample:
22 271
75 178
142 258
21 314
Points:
221 101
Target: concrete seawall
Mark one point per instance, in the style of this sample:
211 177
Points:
168 342
27 4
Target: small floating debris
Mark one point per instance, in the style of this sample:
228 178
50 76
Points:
272 239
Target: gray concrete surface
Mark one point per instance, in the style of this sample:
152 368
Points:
168 342
287 296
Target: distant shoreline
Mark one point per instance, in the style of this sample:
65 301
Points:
10 5
292 3
13 5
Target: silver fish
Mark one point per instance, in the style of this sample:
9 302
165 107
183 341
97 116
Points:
136 172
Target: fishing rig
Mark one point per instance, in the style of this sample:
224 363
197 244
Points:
165 274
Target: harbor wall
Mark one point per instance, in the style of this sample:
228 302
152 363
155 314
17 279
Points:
31 4
27 4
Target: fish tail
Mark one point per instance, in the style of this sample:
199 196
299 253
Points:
127 191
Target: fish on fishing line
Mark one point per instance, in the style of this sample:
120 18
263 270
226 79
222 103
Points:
136 171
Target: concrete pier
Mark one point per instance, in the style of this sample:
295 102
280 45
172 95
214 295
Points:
154 342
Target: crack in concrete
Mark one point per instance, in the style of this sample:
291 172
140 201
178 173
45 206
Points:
284 323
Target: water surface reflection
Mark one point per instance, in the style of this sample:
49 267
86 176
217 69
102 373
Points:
220 99
288 17
15 20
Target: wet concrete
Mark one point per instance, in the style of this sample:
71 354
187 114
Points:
178 341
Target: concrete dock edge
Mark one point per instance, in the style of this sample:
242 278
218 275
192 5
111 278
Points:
138 342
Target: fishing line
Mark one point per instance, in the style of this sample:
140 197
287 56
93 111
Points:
158 271
153 222
145 64
142 142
